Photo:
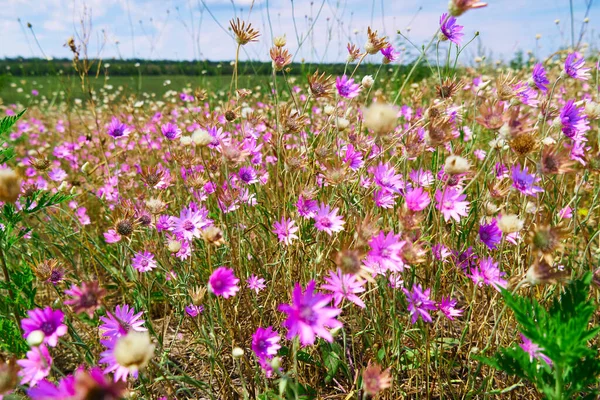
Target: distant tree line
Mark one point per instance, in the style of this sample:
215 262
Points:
19 67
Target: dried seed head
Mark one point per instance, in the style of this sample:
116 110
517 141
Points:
197 294
375 43
40 163
546 240
320 86
455 165
459 7
448 88
243 33
353 52
155 205
213 235
381 118
523 144
124 227
230 115
510 223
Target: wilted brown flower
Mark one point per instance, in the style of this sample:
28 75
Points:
40 162
197 294
291 120
49 271
321 86
375 379
490 115
555 161
93 385
243 33
85 298
448 88
504 87
280 57
151 175
541 272
546 240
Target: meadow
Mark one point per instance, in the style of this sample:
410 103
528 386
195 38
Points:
307 236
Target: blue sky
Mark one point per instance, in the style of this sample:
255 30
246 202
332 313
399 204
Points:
196 29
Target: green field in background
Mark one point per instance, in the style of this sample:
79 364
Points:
52 86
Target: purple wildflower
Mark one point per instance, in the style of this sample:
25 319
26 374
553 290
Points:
450 29
327 219
385 177
488 273
306 207
144 261
285 230
419 303
222 282
452 204
490 234
170 131
447 307
248 175
344 286
389 54
574 67
539 77
524 182
193 310
122 321
190 223
265 342
255 283
573 121
534 350
117 129
465 260
385 253
48 321
346 87
46 390
36 366
417 199
309 316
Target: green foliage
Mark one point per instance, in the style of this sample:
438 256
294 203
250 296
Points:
16 297
563 333
7 122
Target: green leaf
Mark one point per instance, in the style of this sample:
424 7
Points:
7 122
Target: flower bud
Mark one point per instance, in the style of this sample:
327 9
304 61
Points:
367 81
35 338
237 352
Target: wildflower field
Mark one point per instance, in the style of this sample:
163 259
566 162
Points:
320 236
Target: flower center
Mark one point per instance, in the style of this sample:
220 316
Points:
48 328
188 226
